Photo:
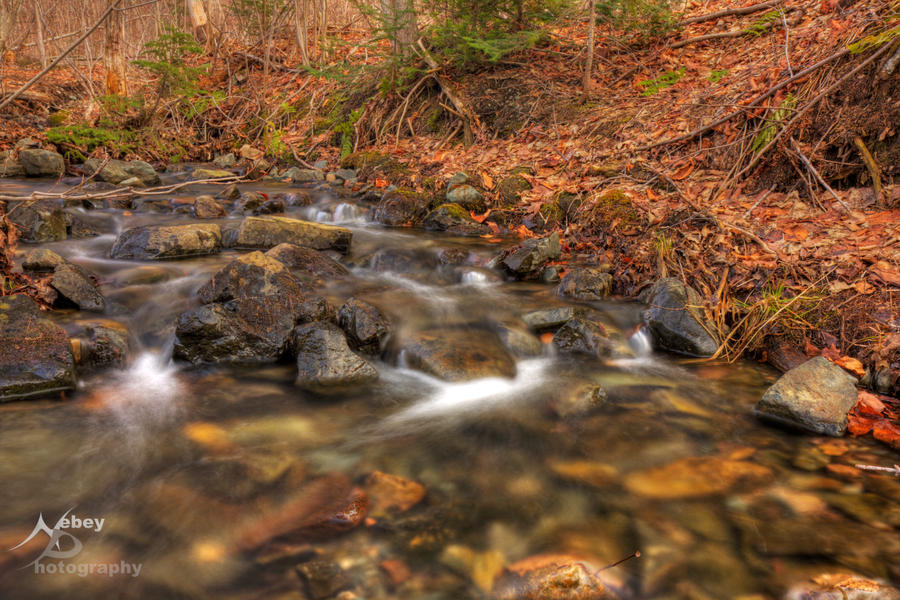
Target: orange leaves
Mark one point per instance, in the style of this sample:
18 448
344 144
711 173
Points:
796 233
852 365
873 414
524 231
480 218
683 171
381 183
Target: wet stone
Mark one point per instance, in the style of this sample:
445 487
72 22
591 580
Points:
39 221
579 336
102 344
325 362
389 493
453 218
253 274
35 355
466 196
366 326
518 340
526 260
41 163
695 477
399 207
206 207
74 285
308 263
552 577
676 320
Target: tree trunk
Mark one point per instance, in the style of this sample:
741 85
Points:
116 75
400 24
9 11
38 23
589 60
199 21
301 25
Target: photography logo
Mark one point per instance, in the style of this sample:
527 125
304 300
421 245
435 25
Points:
60 538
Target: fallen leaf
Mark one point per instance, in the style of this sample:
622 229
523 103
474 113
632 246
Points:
864 287
381 183
852 365
868 403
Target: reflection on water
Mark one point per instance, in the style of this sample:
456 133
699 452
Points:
233 483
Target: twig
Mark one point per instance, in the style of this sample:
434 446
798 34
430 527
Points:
808 106
746 10
787 54
816 174
721 35
59 58
871 165
895 470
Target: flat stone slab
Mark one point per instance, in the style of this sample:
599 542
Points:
268 232
167 242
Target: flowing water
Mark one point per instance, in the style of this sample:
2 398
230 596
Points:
197 471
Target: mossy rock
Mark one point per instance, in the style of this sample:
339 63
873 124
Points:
368 163
550 215
604 169
568 202
510 188
614 206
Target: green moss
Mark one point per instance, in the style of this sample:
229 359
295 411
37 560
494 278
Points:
58 118
552 214
79 139
368 163
614 206
455 210
510 188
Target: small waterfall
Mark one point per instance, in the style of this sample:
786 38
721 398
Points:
348 213
474 278
641 343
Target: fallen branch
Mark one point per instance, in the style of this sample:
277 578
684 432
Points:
887 69
59 58
262 61
746 10
120 192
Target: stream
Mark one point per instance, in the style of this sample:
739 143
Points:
232 482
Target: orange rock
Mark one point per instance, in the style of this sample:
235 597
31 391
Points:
694 477
396 570
553 577
390 493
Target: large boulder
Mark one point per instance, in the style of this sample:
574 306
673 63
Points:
35 355
526 260
41 163
454 219
38 221
366 327
325 361
161 242
816 397
308 264
253 274
118 171
676 320
459 354
268 232
74 285
587 283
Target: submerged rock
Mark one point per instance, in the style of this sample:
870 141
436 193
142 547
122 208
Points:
455 219
549 318
586 283
308 263
695 477
526 260
518 340
816 397
842 586
41 163
160 242
38 221
325 361
322 579
366 326
35 355
676 320
268 232
554 577
392 494
459 354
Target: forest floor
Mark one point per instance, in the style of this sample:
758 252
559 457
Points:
701 159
